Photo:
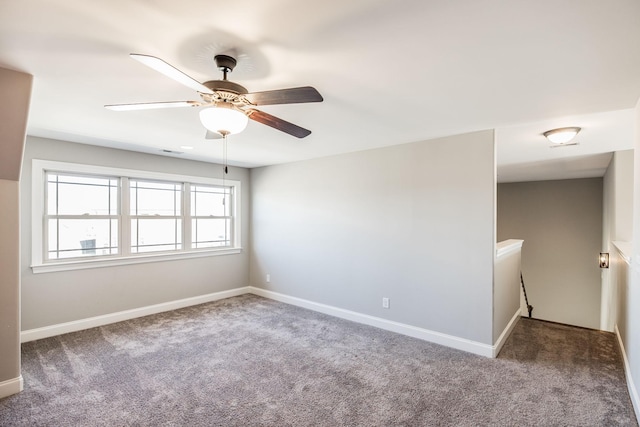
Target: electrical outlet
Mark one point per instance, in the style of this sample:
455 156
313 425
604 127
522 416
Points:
385 302
268 278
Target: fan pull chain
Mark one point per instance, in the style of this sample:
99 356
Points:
225 170
224 154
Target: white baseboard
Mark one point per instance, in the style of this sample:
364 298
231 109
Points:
12 386
401 328
505 334
633 391
389 325
92 322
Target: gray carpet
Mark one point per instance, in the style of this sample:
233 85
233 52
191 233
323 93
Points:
249 361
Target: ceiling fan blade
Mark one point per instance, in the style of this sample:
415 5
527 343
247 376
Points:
294 95
170 71
212 135
279 124
152 105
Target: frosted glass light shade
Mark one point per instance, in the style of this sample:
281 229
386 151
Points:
223 120
561 135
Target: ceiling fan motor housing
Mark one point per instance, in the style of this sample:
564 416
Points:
226 85
225 63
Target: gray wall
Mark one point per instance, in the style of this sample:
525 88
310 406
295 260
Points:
632 342
506 285
561 225
414 223
9 281
617 225
618 198
619 271
625 278
16 93
52 298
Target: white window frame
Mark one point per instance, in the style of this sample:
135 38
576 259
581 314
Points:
38 182
190 216
182 216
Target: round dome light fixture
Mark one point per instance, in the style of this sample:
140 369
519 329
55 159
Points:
562 135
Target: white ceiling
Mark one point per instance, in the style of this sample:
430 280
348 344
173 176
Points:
390 73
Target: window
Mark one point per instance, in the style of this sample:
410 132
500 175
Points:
82 216
86 216
211 217
156 220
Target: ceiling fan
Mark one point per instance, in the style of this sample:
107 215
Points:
229 105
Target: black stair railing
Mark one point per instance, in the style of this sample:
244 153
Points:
526 300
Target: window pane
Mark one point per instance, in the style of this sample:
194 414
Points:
52 198
155 198
210 201
114 201
82 237
148 235
79 195
208 233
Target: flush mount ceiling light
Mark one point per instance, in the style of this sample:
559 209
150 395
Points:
561 135
224 119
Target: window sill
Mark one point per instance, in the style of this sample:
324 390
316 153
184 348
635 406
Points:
137 259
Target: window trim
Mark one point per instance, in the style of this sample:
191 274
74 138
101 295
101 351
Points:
38 177
183 216
47 216
191 216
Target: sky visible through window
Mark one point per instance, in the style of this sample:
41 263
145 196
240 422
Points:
83 216
84 211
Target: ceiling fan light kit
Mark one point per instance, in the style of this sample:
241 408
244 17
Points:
229 105
224 119
561 135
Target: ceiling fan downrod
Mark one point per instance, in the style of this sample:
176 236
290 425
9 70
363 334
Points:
225 63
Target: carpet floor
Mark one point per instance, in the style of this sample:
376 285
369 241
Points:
250 361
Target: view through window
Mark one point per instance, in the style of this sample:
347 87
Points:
121 215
